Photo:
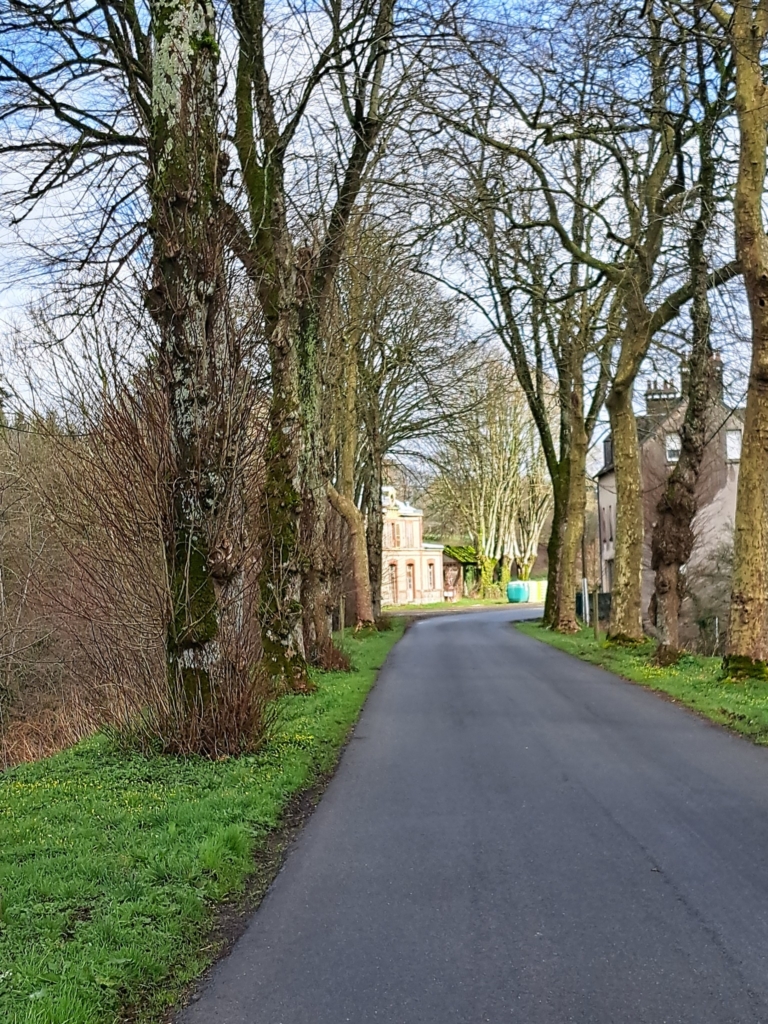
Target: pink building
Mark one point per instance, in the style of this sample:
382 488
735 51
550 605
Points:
413 568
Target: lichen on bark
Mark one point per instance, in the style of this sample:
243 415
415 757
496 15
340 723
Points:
189 304
747 651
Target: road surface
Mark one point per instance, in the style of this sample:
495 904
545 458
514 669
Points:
514 836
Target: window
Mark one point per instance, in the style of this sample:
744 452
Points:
672 440
610 522
733 445
409 574
431 575
393 581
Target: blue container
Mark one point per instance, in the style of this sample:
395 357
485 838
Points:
517 592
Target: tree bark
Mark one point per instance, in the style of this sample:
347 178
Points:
342 497
374 527
280 578
361 582
315 575
524 568
555 562
747 652
626 618
270 259
574 522
294 289
204 535
487 567
673 538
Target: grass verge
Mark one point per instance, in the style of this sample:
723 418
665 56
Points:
112 865
694 681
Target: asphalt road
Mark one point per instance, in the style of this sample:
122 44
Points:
514 836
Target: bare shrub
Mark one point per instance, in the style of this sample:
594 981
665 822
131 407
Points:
706 600
103 499
35 684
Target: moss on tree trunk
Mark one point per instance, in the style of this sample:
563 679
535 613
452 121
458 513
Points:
188 302
626 619
747 651
576 507
555 563
342 497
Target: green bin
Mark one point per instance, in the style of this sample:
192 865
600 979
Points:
517 592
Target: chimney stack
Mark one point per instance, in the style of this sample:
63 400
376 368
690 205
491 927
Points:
716 376
660 398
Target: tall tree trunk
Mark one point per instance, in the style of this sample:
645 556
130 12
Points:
374 527
574 523
315 596
203 544
555 562
487 567
673 537
748 626
626 618
280 579
361 582
269 256
342 497
574 450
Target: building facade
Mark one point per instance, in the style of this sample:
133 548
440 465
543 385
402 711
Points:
412 568
659 437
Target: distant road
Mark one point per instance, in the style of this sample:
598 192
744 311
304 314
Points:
515 836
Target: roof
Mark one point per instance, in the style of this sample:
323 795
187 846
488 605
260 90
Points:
649 425
389 501
405 509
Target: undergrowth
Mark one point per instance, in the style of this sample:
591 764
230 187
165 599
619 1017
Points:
111 864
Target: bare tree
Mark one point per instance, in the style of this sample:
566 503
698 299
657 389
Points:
156 128
745 26
114 515
673 536
321 110
558 325
491 480
635 127
413 353
295 285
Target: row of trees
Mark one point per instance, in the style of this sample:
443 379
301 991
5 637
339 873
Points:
170 145
85 594
258 180
587 181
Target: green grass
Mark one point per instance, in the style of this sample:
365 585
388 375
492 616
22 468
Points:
111 865
694 681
